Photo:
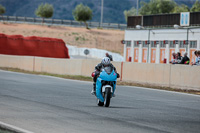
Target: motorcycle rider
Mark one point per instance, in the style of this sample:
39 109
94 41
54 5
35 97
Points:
109 56
104 63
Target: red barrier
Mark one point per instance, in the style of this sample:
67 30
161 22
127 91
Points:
33 46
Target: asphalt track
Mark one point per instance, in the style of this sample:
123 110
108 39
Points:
43 104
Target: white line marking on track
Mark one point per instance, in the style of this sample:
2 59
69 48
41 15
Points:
13 128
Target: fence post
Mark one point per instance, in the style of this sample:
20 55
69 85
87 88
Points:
2 17
121 71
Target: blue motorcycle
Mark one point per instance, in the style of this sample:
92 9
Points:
105 86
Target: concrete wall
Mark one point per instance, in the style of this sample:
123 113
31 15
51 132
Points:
88 67
178 76
185 77
25 62
58 66
156 74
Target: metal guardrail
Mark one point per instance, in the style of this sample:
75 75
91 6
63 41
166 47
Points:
17 19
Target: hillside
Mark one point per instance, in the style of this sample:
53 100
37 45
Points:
113 9
94 38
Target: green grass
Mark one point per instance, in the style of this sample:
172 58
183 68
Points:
76 38
85 78
80 38
74 33
100 28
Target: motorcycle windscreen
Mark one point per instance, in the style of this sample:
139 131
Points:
108 70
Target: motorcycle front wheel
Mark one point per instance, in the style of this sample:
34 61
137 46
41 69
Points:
107 97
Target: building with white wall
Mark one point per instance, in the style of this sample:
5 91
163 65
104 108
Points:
157 45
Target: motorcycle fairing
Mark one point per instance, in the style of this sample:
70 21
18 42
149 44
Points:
107 77
103 88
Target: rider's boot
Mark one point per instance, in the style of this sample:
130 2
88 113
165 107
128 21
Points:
93 92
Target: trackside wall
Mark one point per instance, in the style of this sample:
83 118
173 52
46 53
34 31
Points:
58 66
157 74
186 77
177 76
22 62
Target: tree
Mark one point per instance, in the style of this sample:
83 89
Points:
131 12
2 10
157 7
44 11
181 8
195 7
82 14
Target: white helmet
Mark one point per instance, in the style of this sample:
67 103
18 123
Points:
105 61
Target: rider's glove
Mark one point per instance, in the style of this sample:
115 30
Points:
97 73
118 75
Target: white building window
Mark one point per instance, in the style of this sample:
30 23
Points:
162 45
171 44
144 44
182 45
193 44
153 45
136 44
128 43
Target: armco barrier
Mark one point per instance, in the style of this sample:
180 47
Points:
176 76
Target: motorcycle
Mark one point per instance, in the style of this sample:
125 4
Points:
105 86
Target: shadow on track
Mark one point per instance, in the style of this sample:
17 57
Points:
118 107
113 107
